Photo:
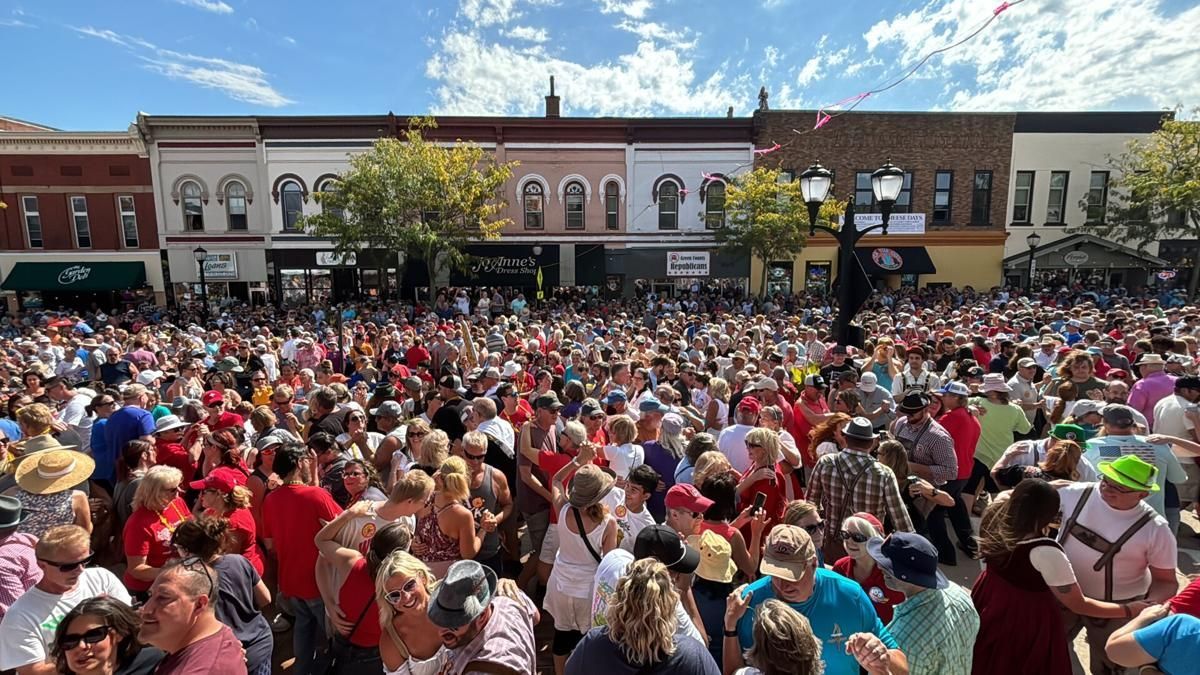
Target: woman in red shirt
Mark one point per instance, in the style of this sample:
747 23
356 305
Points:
157 511
763 475
222 499
860 566
223 455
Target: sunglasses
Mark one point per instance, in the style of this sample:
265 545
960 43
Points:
70 567
353 474
395 596
856 537
814 528
417 434
475 458
70 641
195 563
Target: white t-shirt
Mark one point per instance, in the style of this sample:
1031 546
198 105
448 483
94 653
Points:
75 416
608 573
27 631
1152 546
732 444
1053 564
624 458
628 522
1030 453
1170 418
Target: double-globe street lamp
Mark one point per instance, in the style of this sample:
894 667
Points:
1033 240
201 256
853 287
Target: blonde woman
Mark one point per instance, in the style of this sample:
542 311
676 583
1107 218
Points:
432 451
446 531
858 564
716 416
709 463
157 511
623 454
784 643
640 634
409 644
763 476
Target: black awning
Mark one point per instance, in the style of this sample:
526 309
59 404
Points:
70 276
883 260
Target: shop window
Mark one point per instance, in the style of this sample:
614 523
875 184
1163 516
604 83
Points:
714 205
574 206
33 221
82 227
668 206
943 183
235 205
1022 198
294 284
612 203
533 197
1056 203
193 207
322 286
129 231
981 199
292 201
1097 198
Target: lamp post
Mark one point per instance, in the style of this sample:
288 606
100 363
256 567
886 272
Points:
1033 240
201 256
815 183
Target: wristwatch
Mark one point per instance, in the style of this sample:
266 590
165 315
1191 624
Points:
730 633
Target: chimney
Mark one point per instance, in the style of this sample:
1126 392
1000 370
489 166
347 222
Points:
552 101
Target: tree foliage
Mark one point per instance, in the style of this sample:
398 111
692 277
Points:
767 218
417 197
1154 191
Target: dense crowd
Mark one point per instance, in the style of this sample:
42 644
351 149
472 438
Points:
698 484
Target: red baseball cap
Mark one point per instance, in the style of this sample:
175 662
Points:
686 496
749 404
212 397
218 481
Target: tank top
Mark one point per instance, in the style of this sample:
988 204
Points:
484 498
574 566
356 595
45 511
440 547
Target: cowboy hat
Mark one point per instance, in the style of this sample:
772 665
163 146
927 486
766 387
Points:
54 471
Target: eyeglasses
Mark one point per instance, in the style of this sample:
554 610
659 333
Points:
70 641
70 567
195 563
858 538
408 589
1117 487
417 434
814 528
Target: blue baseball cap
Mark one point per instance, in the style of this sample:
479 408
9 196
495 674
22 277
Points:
614 396
651 404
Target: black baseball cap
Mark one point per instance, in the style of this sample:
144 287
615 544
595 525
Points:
665 545
549 400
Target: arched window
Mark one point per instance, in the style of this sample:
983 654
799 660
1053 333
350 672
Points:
574 206
292 199
612 201
193 207
327 187
533 199
668 206
235 205
714 205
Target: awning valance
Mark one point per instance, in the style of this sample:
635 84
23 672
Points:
74 276
884 260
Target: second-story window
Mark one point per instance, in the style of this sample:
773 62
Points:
668 206
193 207
533 198
79 219
574 206
129 231
1023 197
33 221
981 199
235 204
1097 198
1056 202
292 201
714 205
612 220
864 197
943 185
327 187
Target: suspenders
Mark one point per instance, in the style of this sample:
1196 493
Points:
1107 550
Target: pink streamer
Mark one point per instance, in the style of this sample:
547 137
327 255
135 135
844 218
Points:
765 151
822 119
709 178
1000 8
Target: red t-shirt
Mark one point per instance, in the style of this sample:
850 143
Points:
883 599
292 516
357 593
964 430
241 522
550 463
520 416
415 355
148 534
1188 600
173 454
226 420
801 428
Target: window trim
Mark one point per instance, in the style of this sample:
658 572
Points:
911 189
567 198
949 198
75 234
283 195
132 212
974 193
659 201
1028 219
183 204
612 191
1103 197
708 200
37 213
229 197
533 188
1062 206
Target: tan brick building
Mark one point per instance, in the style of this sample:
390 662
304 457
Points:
954 206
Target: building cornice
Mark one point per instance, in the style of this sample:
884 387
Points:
154 128
72 142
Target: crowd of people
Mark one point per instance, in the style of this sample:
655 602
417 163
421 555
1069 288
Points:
699 484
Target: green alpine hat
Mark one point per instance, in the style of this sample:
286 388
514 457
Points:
1069 432
1132 472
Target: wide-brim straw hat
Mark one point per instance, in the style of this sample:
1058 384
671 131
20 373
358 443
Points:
589 485
54 471
36 445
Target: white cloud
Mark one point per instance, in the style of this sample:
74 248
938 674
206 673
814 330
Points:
214 6
1053 55
239 81
489 12
809 71
634 9
528 33
15 23
819 65
290 40
774 4
251 24
681 36
479 78
770 56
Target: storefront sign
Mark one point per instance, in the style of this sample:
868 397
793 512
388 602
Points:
221 266
1076 258
898 223
509 265
505 265
1166 275
887 259
687 264
73 274
335 259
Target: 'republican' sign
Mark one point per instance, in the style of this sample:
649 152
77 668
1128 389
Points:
688 264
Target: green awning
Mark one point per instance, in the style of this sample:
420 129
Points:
73 276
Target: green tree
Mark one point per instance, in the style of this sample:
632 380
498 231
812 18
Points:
1154 191
766 217
416 197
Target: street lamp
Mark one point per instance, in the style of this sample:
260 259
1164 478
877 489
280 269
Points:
816 183
1033 240
201 256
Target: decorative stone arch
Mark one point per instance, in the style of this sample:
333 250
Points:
189 178
587 187
283 178
665 178
322 178
720 178
535 178
223 185
613 178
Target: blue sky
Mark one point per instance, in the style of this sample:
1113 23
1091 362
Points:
94 65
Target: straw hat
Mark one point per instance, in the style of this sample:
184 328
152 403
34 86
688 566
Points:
36 445
589 486
54 471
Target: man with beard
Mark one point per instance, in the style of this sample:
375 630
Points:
485 634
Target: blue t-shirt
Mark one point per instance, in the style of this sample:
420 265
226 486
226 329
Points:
106 461
1174 642
837 609
125 425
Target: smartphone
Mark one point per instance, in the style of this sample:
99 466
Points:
759 499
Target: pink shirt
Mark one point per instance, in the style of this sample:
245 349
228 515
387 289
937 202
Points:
19 570
1148 391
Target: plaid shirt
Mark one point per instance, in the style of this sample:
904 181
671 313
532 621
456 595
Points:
934 448
936 630
876 492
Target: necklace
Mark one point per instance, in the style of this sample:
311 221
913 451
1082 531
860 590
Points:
167 524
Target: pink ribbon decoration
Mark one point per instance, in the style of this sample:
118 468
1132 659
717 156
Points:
822 119
765 151
1000 8
709 178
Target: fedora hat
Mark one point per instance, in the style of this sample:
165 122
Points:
38 444
1149 360
1132 472
11 514
462 596
913 401
169 422
54 471
589 485
859 427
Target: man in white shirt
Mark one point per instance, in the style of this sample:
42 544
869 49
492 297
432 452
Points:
1025 390
27 631
73 416
1170 413
915 375
1119 440
732 441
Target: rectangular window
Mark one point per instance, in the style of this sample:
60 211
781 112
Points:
943 183
129 231
1023 198
79 216
981 199
1056 204
714 207
864 197
1097 199
904 199
611 203
33 221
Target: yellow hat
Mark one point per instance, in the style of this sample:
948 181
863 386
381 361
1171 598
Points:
716 557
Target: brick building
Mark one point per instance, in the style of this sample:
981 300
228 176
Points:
948 226
79 229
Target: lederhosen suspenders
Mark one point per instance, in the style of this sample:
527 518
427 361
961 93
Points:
1107 550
